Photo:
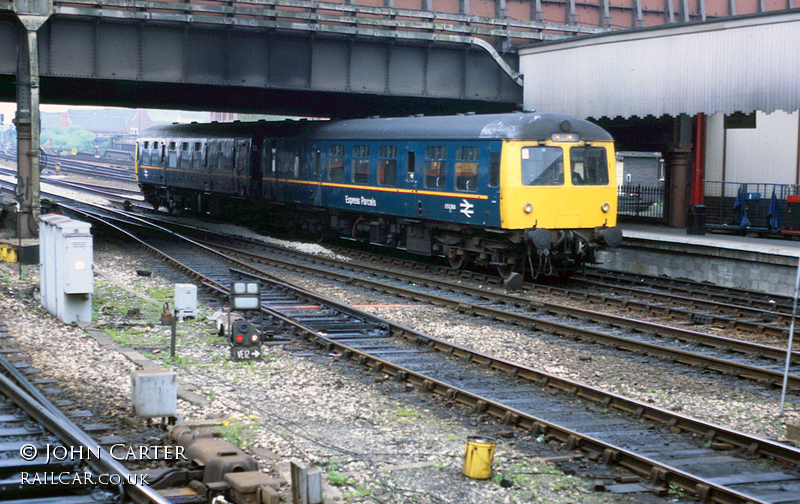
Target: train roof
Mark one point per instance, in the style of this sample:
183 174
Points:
520 126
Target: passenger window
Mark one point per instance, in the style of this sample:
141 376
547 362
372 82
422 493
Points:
288 164
387 165
360 174
494 169
185 155
588 166
173 155
220 158
542 166
467 168
242 152
412 165
317 163
435 166
336 163
144 157
197 156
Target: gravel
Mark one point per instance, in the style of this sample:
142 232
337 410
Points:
376 440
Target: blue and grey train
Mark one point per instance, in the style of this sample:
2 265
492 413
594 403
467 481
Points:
522 191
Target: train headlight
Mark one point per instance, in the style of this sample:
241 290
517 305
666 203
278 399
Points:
528 208
605 208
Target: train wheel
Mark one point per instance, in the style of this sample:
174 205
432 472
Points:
506 270
457 261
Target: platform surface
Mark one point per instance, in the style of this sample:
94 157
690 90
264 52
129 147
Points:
775 246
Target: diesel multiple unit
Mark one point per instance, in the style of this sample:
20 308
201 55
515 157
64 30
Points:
519 192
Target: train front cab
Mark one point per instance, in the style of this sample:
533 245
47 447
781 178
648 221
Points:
561 194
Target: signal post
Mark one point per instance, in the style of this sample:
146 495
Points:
243 336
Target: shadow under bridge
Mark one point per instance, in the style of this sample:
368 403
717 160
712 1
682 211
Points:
172 64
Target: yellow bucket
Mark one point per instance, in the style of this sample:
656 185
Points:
478 458
8 254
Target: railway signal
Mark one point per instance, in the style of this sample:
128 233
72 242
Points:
245 341
243 336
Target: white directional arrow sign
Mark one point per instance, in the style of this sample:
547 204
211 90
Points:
466 208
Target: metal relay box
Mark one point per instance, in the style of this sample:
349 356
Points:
186 300
66 277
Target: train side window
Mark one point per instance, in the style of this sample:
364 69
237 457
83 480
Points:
387 165
288 164
494 169
467 168
242 156
336 163
185 155
588 166
317 163
197 156
144 156
360 173
542 166
220 157
435 166
412 165
173 155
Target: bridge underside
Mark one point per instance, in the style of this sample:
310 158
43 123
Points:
98 62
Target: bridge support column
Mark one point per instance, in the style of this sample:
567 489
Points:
32 14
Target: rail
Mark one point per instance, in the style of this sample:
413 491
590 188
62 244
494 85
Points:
766 209
14 386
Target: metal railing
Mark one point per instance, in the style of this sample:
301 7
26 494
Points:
637 203
752 207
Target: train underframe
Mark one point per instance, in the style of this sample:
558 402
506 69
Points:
530 252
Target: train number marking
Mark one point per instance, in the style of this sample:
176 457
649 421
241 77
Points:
449 207
466 208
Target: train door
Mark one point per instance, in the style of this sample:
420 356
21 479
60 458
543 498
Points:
290 186
267 169
254 180
223 171
413 183
316 174
241 167
171 163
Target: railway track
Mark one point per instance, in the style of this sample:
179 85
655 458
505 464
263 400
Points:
758 362
781 305
754 313
667 451
754 361
751 312
46 458
70 165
